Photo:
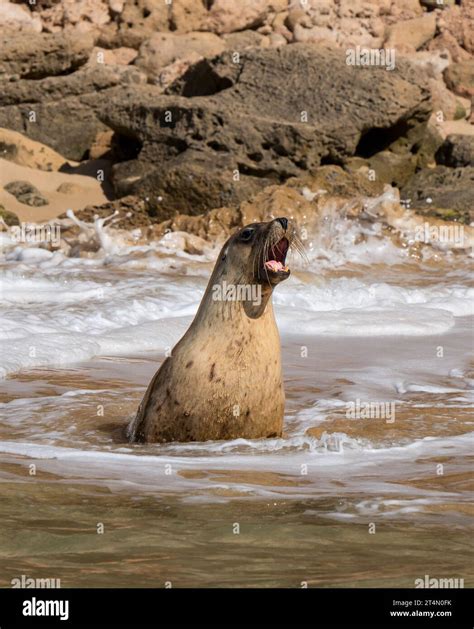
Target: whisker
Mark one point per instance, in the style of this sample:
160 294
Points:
297 245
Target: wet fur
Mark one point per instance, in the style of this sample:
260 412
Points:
224 378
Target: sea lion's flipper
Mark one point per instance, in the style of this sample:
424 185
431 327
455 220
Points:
135 430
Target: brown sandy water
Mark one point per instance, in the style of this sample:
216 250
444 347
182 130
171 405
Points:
384 522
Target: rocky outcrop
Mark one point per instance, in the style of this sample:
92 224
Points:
135 21
411 34
225 129
452 107
339 23
72 15
18 18
432 140
60 111
244 95
447 42
227 16
458 22
214 226
190 183
162 49
336 181
245 39
393 168
442 187
36 56
456 151
459 78
119 56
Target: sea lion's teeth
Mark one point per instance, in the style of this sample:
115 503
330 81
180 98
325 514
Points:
273 265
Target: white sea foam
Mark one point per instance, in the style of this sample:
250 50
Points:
56 317
324 465
407 322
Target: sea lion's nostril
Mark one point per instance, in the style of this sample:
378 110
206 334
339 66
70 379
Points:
283 222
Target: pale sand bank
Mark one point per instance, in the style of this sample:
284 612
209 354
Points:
85 189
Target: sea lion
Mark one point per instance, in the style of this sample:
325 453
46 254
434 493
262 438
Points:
223 379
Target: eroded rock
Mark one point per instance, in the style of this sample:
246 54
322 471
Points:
411 34
39 55
60 111
162 49
26 193
456 151
226 128
459 78
442 187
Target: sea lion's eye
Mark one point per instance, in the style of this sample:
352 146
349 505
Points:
246 235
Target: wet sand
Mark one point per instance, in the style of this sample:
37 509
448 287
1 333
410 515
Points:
83 189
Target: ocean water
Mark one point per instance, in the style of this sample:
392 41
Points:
339 500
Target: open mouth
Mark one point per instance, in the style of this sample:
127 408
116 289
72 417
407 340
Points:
276 260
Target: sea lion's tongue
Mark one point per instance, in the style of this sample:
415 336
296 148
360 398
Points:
275 265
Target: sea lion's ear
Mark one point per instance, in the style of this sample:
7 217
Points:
224 253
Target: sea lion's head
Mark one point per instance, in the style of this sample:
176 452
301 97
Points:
252 262
259 250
